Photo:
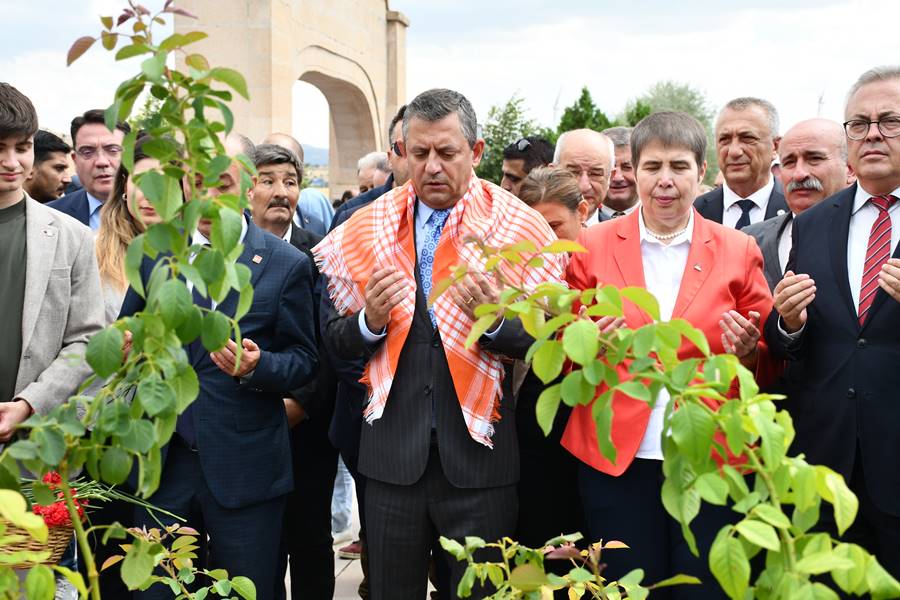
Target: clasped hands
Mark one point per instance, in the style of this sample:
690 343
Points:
387 287
225 358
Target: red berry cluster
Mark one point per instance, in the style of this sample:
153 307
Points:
56 514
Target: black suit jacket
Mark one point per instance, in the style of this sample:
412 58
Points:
395 448
241 429
75 205
842 380
767 234
712 204
354 204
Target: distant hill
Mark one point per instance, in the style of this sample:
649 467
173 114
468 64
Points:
313 155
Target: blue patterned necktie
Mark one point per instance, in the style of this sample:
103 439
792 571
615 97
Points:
433 227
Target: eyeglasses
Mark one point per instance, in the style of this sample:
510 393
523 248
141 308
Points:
858 129
91 152
522 144
395 148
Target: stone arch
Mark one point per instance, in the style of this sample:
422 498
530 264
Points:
359 64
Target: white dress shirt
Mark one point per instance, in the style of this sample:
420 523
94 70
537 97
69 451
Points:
784 244
861 220
609 212
732 212
593 219
199 238
663 269
287 234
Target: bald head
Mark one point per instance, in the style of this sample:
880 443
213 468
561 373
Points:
590 157
813 156
286 141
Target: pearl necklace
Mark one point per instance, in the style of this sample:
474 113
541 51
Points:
663 237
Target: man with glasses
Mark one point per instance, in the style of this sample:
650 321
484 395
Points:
97 154
520 158
837 313
590 157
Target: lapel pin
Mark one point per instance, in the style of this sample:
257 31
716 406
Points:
697 267
48 232
780 212
257 258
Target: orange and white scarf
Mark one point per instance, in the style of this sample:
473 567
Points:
382 234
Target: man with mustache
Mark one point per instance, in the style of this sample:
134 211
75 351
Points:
813 157
836 317
50 174
746 142
97 154
622 196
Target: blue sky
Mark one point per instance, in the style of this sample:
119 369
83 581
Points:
791 53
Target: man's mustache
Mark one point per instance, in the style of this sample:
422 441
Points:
807 183
279 203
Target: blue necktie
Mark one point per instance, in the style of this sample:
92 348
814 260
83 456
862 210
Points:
433 227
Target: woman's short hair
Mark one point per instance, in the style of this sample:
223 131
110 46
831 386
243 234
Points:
551 184
671 129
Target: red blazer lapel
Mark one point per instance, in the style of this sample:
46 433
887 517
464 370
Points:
627 254
699 265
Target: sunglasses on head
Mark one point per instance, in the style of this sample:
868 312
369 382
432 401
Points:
522 144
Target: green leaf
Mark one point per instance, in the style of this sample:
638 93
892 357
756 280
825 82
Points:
692 430
134 257
39 583
186 386
548 361
104 351
851 580
42 494
602 412
175 302
712 488
108 39
153 67
232 79
245 300
215 332
453 547
226 230
679 579
643 300
115 465
197 61
244 587
140 436
636 390
190 328
845 502
155 395
527 577
51 446
222 587
164 193
823 562
881 584
562 246
729 565
138 565
643 340
546 407
575 389
696 337
772 516
580 341
759 533
132 50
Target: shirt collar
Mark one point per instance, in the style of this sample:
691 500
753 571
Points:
862 196
93 203
609 211
681 239
423 212
199 238
287 234
760 197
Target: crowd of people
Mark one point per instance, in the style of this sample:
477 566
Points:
789 264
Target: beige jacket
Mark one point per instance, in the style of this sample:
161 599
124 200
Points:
63 307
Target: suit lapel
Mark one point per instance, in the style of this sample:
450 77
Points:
716 210
769 247
698 267
837 243
41 237
776 203
83 209
255 257
627 254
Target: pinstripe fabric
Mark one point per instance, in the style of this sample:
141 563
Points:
877 253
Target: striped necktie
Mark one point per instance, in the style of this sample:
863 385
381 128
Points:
877 253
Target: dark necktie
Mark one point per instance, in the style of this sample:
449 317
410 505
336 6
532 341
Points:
877 253
618 213
746 206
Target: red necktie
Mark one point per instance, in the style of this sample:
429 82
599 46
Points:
877 253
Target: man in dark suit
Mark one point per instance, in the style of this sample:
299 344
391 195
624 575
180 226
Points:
838 313
307 519
813 157
227 468
97 152
439 451
746 143
590 156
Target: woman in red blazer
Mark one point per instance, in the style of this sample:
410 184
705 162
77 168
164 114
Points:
700 271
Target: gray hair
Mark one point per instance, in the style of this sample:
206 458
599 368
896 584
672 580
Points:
246 144
620 136
434 105
672 130
273 154
560 141
882 73
379 160
745 102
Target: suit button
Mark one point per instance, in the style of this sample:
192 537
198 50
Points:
436 343
851 393
427 390
861 343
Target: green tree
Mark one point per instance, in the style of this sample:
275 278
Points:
671 95
147 116
505 124
583 113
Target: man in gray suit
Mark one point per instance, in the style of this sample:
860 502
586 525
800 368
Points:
51 307
813 158
746 143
